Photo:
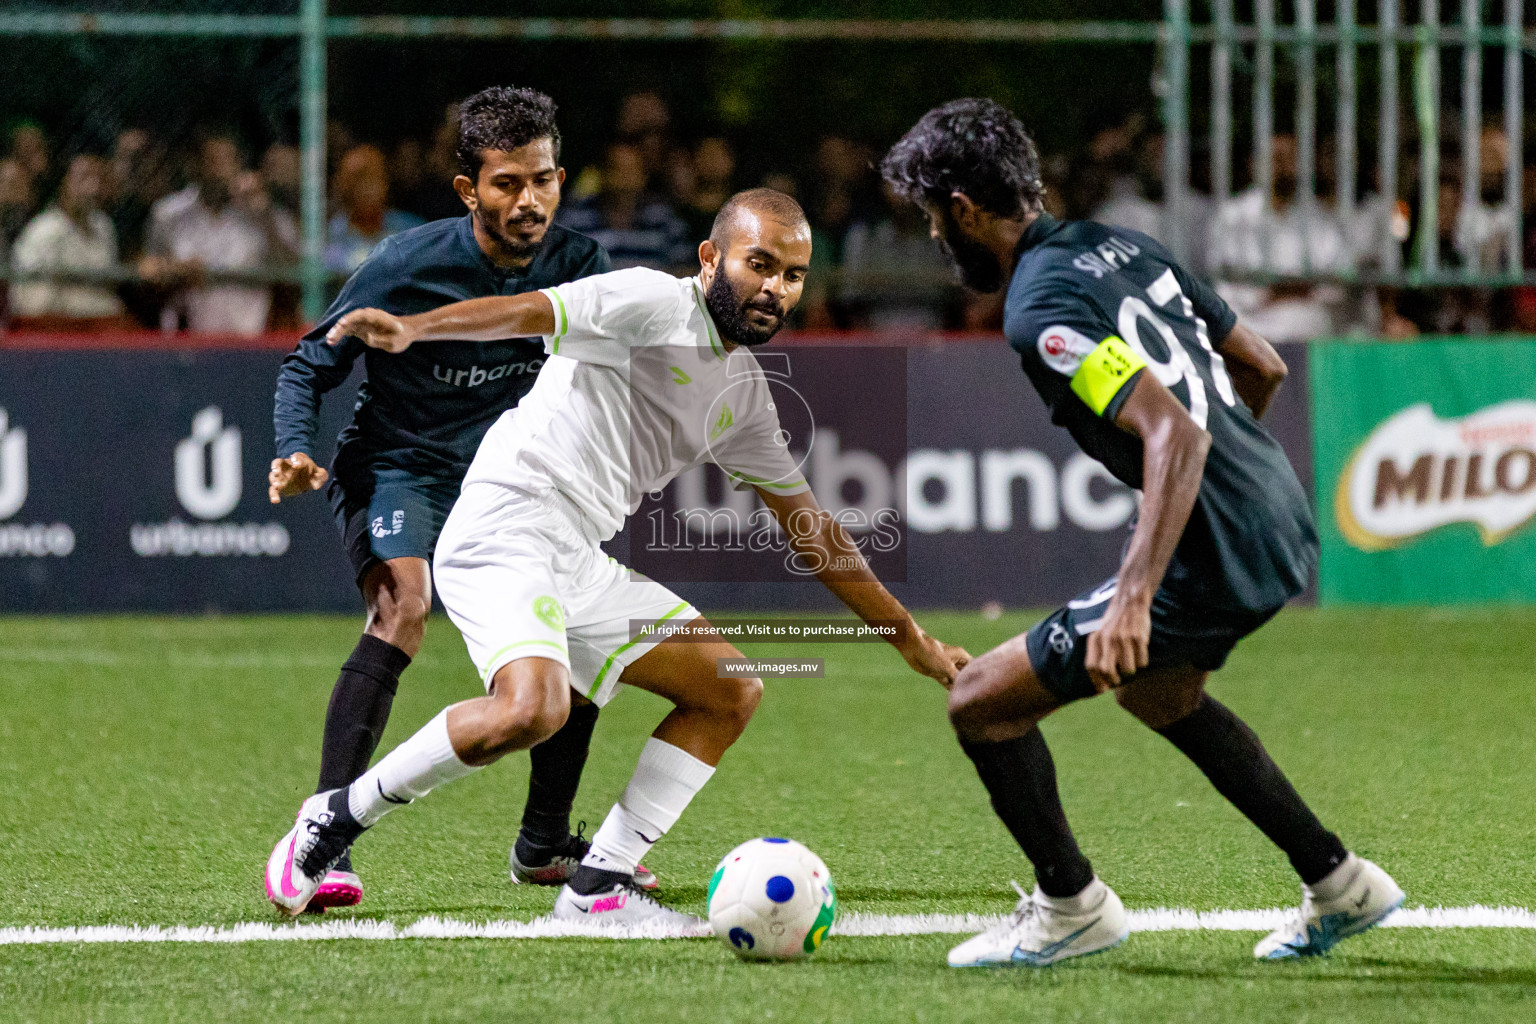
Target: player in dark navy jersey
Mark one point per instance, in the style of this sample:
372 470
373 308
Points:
420 416
1152 375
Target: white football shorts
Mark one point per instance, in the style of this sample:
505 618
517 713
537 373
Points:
522 576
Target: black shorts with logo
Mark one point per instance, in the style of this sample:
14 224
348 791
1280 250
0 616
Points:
386 513
1182 634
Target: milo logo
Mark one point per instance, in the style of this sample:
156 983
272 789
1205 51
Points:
1416 472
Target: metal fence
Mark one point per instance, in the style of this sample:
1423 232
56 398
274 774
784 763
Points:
1251 50
1422 39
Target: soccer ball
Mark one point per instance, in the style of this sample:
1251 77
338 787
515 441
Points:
772 899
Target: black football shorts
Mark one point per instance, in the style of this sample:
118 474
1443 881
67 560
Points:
1183 633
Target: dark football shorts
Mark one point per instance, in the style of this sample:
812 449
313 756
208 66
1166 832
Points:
386 513
1182 634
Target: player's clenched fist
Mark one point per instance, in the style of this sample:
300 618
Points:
294 475
374 328
1120 646
934 658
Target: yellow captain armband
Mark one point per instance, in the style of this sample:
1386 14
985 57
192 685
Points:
1104 372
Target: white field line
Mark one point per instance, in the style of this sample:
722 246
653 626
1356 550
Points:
1156 920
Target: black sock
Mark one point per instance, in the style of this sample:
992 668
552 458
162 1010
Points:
1021 779
341 816
1231 756
589 880
554 778
359 710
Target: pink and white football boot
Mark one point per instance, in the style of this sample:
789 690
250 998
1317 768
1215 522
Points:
321 835
624 905
341 888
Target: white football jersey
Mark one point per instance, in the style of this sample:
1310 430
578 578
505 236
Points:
639 388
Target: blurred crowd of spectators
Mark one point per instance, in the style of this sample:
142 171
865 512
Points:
203 235
1295 235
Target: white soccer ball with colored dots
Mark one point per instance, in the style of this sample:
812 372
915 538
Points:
772 899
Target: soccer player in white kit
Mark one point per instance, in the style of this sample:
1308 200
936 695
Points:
649 375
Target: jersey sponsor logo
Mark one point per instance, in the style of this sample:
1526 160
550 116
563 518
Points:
35 540
679 375
1064 349
1417 472
474 376
208 471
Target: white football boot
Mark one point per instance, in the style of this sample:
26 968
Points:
1042 930
1356 896
301 859
624 905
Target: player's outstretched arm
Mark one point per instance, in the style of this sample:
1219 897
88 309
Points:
488 319
1256 369
830 554
1173 461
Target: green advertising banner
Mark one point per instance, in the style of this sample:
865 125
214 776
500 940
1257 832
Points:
1425 457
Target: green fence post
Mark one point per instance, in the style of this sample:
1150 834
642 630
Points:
312 146
1176 125
1426 104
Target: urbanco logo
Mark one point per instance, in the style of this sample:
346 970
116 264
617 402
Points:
208 475
208 466
13 467
1416 472
36 540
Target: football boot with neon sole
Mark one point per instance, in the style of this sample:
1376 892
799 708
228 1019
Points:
302 858
341 888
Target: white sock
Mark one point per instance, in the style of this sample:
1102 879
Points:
665 780
1090 897
411 770
1332 885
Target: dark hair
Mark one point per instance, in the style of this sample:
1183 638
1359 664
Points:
767 201
974 146
503 118
205 134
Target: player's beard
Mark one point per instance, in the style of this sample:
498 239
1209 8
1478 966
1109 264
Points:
514 248
978 267
730 313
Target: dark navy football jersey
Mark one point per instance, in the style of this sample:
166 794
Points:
424 410
1090 309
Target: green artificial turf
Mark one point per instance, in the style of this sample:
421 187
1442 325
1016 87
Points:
149 764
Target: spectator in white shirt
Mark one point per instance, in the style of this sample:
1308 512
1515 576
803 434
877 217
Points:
224 221
1288 235
73 236
1482 227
